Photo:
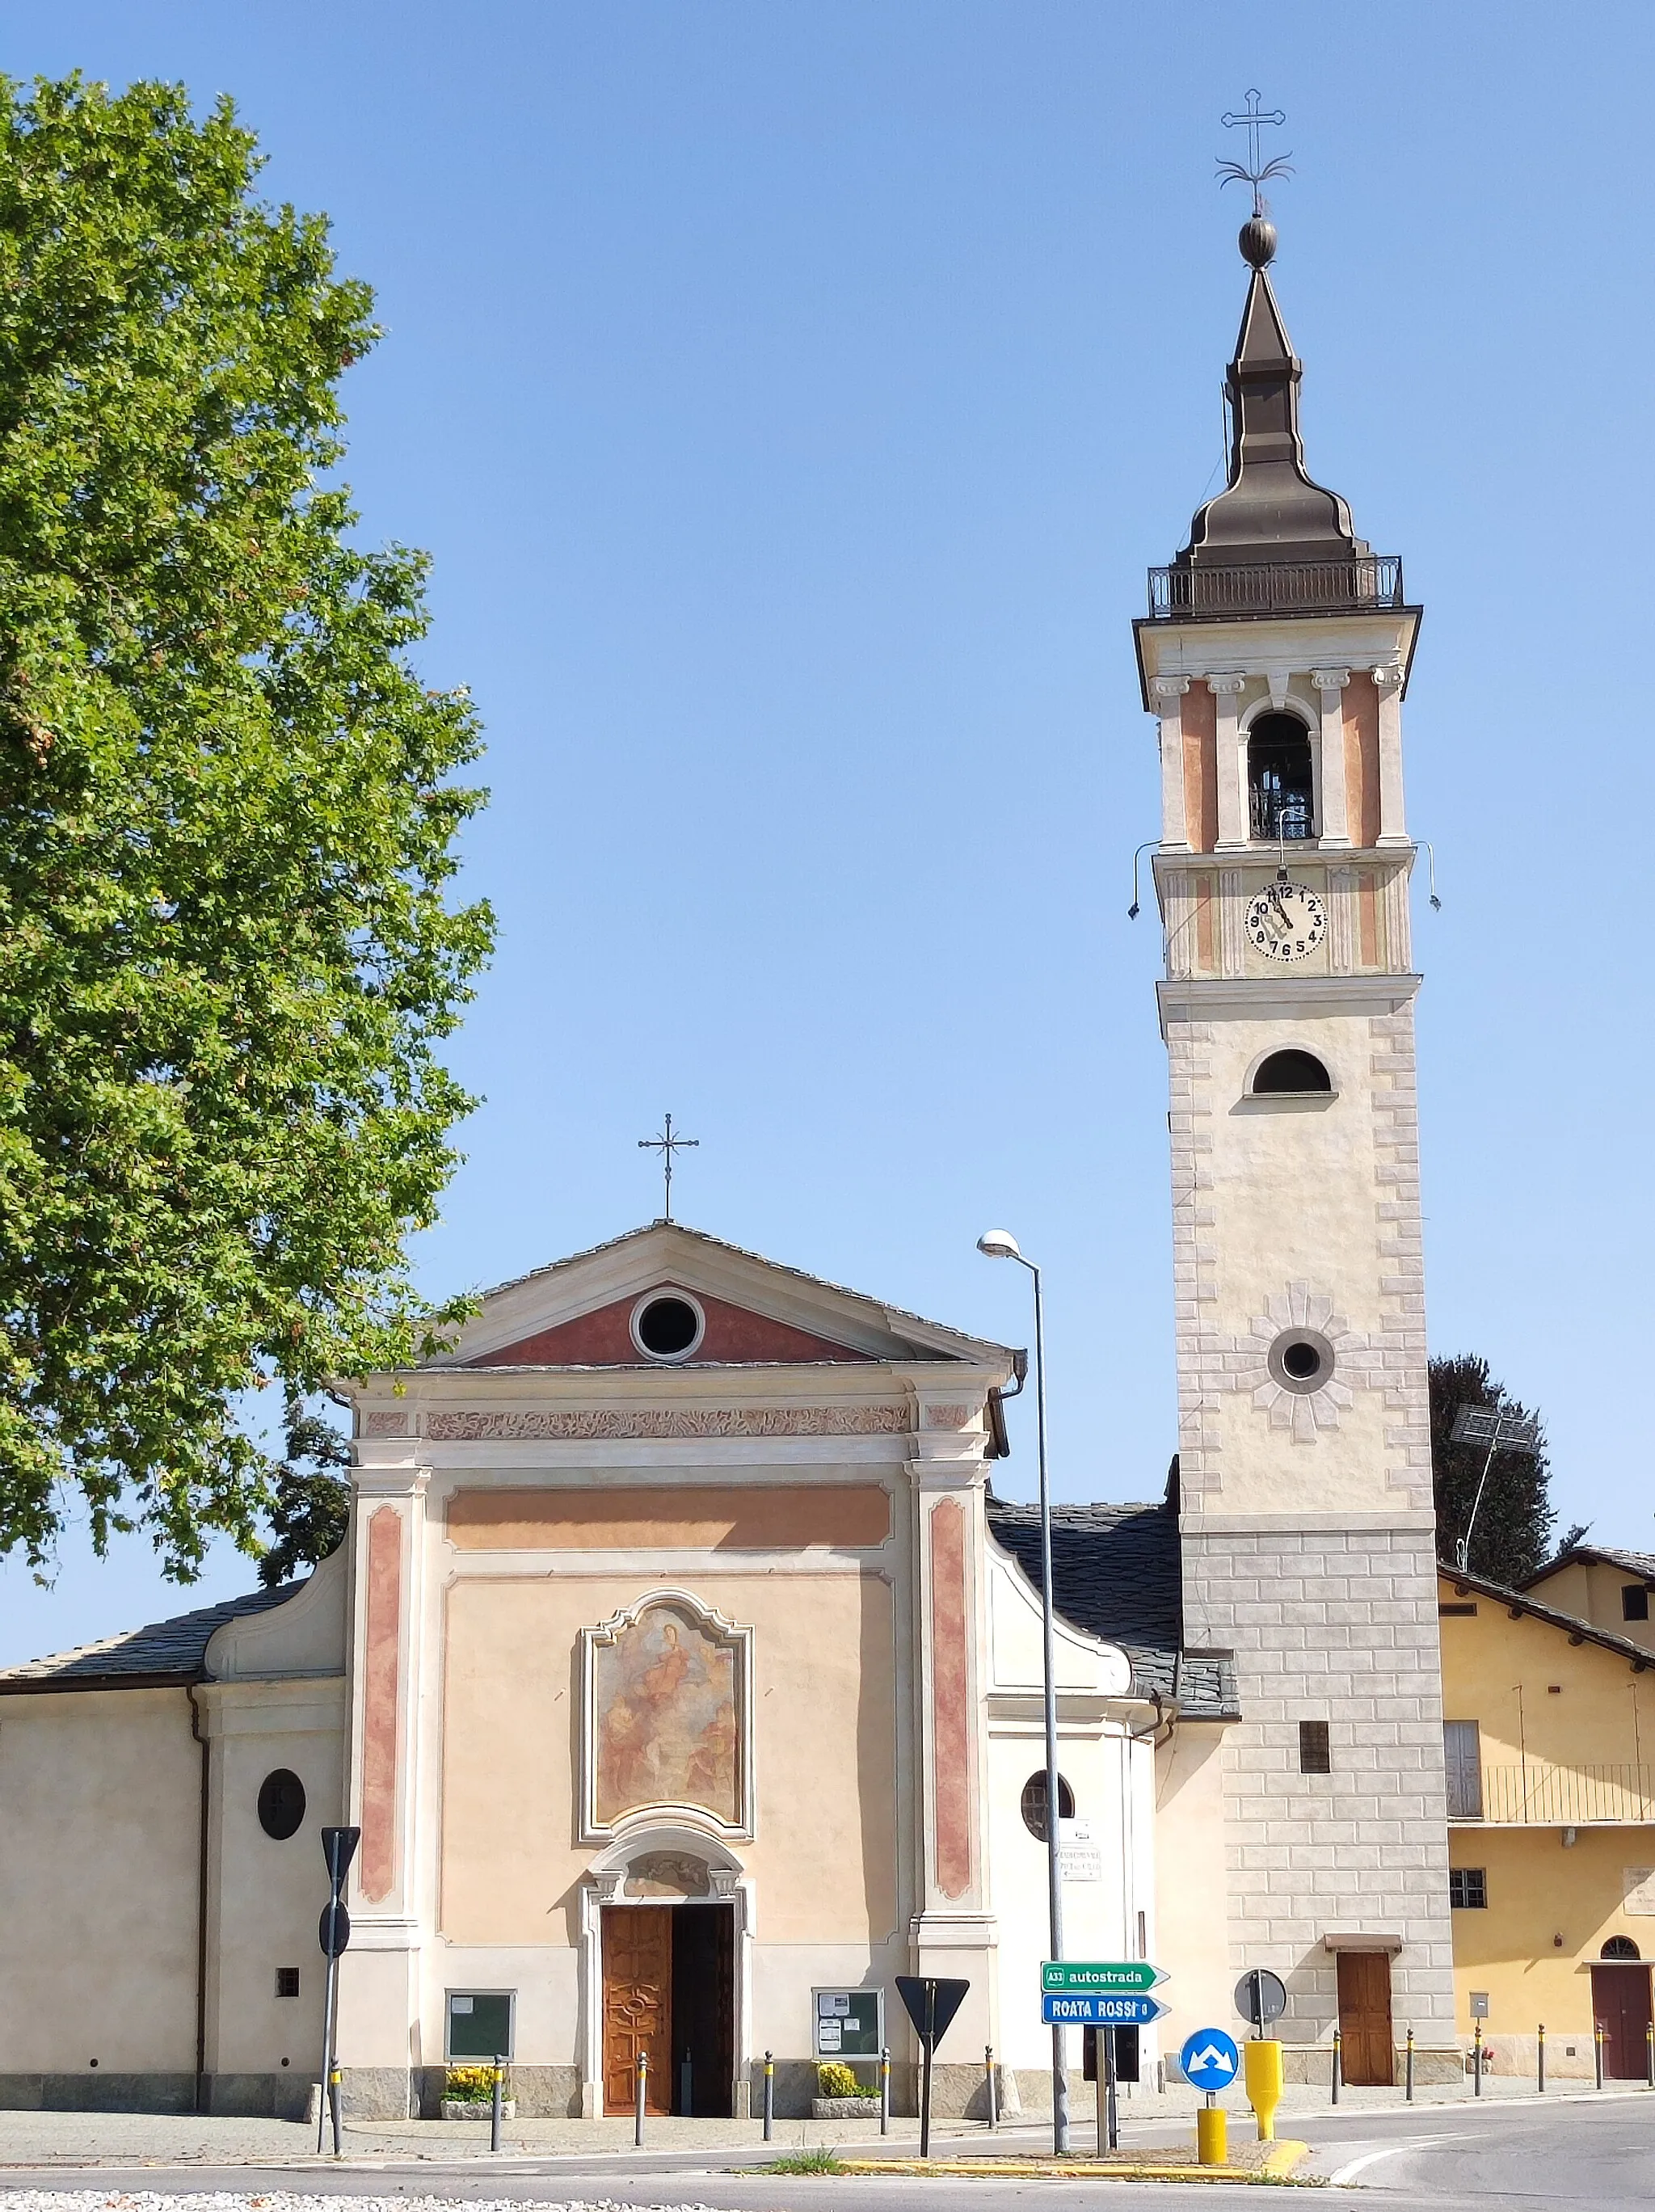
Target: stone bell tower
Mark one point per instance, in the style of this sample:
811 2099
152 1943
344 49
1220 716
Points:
1277 654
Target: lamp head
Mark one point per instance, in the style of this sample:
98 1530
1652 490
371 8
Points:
998 1244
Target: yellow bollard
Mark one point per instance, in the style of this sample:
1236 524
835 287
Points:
1263 2062
1212 2144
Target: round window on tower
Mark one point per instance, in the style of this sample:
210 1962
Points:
668 1325
1302 1360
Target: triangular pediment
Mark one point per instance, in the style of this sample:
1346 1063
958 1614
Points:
581 1312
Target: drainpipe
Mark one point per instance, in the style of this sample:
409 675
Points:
201 1909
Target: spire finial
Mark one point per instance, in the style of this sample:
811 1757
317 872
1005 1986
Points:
1258 238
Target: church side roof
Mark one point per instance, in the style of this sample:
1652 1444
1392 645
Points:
1117 1573
166 1653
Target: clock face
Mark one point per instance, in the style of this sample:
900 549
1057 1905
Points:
1286 922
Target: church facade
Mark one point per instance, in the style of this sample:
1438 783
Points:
682 1668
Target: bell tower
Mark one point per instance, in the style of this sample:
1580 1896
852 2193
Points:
1275 655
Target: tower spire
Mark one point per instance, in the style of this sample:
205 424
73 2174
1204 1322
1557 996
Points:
1271 509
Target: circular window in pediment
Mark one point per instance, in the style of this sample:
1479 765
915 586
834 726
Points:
668 1325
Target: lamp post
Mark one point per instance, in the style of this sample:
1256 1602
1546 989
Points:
1000 1245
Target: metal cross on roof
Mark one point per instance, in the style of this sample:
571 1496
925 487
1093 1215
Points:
1252 119
666 1144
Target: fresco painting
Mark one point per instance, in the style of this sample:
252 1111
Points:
664 1699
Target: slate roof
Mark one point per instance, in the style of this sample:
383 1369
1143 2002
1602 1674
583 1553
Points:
1117 1574
1634 1563
168 1652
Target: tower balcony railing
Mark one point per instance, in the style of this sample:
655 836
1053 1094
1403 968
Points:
1539 1795
1367 583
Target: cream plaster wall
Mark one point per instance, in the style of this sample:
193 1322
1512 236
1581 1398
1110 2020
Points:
1590 1590
100 1825
1193 1936
822 1860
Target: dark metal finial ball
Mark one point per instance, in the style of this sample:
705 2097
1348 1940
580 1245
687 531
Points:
1258 241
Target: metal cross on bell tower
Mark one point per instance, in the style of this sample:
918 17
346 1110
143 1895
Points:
1252 119
666 1144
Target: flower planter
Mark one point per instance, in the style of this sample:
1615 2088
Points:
844 2108
465 2108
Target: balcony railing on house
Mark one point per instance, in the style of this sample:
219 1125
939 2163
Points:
1368 582
1537 1794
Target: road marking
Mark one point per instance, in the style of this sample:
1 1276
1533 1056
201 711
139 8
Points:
1348 2173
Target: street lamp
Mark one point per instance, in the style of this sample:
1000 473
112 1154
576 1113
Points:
1502 1431
1000 1245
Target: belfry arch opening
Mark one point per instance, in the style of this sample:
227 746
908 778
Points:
1280 779
1290 1071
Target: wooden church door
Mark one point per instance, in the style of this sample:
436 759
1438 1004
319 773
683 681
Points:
637 2005
1368 2052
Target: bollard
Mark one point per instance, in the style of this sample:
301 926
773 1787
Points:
494 2104
988 2076
1476 2057
638 2108
1597 2051
1649 2056
1540 2058
769 2096
1262 2058
1337 2052
885 2089
335 2079
1212 2146
1409 2075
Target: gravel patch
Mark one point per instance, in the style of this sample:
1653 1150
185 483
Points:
291 2200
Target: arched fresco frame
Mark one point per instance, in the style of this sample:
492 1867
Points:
659 1708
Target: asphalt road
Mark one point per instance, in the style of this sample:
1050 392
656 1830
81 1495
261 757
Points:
1505 2156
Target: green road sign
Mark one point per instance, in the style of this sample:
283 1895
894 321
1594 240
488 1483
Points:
1097 1977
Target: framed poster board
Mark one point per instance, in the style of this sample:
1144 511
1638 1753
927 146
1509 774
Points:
848 2023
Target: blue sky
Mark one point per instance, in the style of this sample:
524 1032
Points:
792 397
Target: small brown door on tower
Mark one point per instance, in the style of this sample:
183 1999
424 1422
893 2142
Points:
637 2005
1619 2003
1368 2055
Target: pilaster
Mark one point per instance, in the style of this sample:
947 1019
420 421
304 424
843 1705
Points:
1168 693
1387 683
1233 825
1333 826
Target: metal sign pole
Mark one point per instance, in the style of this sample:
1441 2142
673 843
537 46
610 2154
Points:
1111 2107
928 2039
327 2056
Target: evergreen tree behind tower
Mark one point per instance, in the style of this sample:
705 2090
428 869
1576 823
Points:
1512 1537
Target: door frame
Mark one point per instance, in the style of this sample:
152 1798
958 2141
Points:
1383 1954
603 1884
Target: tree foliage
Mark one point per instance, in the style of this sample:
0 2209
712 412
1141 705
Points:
1511 1539
227 827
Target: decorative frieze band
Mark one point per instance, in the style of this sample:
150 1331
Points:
648 1421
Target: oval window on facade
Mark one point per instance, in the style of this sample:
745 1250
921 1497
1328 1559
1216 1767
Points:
1033 1803
281 1804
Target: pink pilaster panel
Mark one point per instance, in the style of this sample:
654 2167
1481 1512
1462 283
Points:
381 1636
950 1699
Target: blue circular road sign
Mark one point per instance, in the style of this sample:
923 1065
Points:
1210 2059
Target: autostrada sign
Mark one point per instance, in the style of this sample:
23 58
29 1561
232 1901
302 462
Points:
1098 1977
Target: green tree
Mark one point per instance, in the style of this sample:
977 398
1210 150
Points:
1512 1537
227 816
309 1511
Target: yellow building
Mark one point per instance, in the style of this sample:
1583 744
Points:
1551 1836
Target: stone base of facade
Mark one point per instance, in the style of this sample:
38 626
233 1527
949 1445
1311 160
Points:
99 2093
1312 2064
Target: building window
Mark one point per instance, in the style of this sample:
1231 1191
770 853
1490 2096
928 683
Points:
1468 1888
1280 787
1462 1752
1315 1756
281 1804
1619 1947
668 1326
479 2024
287 1981
1288 1073
1033 1803
1634 1601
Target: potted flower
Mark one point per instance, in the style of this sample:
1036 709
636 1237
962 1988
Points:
840 2095
469 2094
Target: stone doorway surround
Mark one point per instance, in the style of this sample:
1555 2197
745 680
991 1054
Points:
660 1863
